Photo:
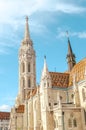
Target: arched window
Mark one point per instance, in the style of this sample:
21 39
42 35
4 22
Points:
70 123
28 67
29 83
22 67
74 122
72 96
83 94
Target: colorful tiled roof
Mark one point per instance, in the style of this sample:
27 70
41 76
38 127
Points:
20 109
79 71
4 115
59 79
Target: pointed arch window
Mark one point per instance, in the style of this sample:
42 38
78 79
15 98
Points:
29 83
29 67
48 84
74 122
22 67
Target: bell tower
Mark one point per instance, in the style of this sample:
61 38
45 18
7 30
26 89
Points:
27 65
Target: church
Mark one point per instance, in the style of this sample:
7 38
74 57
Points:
58 103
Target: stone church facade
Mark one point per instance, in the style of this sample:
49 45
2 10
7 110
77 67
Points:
58 103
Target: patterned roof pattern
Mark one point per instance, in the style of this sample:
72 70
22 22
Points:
4 115
79 71
59 79
20 109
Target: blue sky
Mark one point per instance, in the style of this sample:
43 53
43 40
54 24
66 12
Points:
48 22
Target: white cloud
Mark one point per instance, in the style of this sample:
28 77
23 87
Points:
5 108
61 34
12 14
70 8
18 8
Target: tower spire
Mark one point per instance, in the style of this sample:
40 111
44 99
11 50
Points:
45 68
27 35
70 56
45 65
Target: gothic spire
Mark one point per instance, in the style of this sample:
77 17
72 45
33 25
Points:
45 68
70 57
70 52
27 35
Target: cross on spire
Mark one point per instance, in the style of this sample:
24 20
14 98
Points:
27 35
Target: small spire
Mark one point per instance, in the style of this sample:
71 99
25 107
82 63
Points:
45 68
45 64
27 35
69 45
70 52
70 56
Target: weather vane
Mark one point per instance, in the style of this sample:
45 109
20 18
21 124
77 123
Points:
67 34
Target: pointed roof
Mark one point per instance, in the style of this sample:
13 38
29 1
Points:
45 68
70 57
70 52
27 34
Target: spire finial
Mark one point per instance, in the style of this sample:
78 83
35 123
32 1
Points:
67 34
27 18
27 35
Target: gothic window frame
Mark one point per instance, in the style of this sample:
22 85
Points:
48 84
29 83
29 67
22 67
74 122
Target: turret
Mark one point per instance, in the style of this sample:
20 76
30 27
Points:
45 78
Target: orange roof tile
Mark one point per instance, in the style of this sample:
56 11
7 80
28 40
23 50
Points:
20 109
59 79
79 71
4 115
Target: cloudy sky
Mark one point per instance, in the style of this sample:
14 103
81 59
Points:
48 22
